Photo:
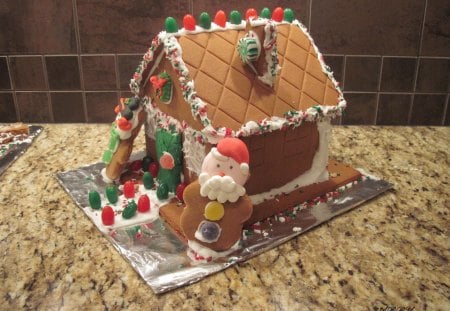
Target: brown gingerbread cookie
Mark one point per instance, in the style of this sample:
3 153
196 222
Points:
198 224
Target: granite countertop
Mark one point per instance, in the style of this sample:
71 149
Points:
392 251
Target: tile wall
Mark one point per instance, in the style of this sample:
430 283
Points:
71 60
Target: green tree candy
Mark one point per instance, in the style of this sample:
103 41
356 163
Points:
148 181
94 199
130 210
265 13
171 25
113 141
288 15
204 20
235 17
111 193
107 156
162 192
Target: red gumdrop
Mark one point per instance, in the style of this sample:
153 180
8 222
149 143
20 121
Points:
220 19
153 168
277 14
136 165
251 14
128 189
189 22
143 204
108 216
180 190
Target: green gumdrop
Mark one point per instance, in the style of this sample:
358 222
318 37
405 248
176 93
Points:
162 192
265 13
288 15
107 156
94 199
171 25
148 181
130 210
204 20
111 194
235 17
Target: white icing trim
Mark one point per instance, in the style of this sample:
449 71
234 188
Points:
194 151
205 252
317 173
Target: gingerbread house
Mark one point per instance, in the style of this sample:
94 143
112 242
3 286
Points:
261 79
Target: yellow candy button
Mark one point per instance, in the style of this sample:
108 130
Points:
214 211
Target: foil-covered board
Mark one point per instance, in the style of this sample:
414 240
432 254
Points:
160 257
16 149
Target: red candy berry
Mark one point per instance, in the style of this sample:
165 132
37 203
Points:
251 14
277 14
189 22
180 190
136 165
143 204
220 19
128 189
153 168
108 216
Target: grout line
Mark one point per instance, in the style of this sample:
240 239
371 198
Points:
13 91
310 14
80 66
116 67
422 30
344 65
377 103
446 107
47 86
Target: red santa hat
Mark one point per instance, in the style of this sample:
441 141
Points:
236 149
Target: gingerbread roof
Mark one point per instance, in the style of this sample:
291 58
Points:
226 94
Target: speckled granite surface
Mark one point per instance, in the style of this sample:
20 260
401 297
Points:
391 251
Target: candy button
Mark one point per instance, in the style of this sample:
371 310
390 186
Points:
214 211
208 232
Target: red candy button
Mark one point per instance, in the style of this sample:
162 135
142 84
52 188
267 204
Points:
108 216
143 204
128 189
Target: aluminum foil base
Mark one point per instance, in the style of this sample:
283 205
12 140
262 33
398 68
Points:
160 257
18 149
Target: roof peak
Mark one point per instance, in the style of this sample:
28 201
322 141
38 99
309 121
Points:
235 21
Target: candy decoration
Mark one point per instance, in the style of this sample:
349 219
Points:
214 211
124 124
128 189
288 15
209 231
153 168
145 162
189 22
180 191
113 140
107 156
220 19
111 194
108 216
249 47
277 14
265 13
136 165
171 25
235 18
162 193
204 20
94 199
251 14
162 83
143 204
133 103
166 161
148 181
127 113
129 210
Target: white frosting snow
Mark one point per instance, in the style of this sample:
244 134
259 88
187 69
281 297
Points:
194 151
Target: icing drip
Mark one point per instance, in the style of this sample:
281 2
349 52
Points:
317 173
271 54
194 151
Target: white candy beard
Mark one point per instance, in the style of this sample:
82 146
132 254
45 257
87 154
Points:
220 188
